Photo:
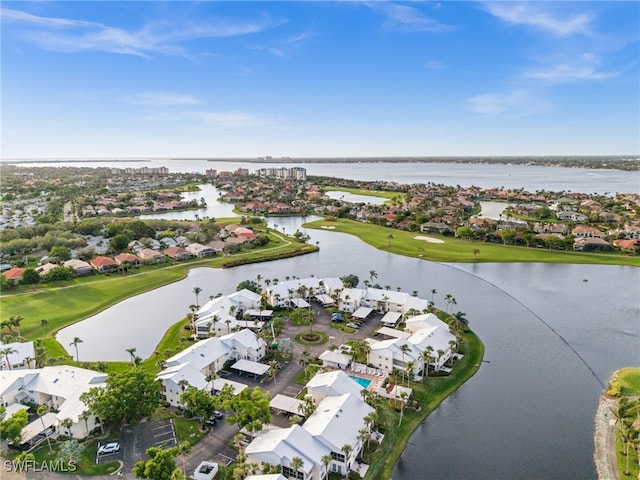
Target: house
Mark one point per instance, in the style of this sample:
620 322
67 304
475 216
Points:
177 253
104 264
129 258
14 275
22 356
630 246
81 268
46 268
150 256
571 215
200 251
591 243
334 359
59 388
587 232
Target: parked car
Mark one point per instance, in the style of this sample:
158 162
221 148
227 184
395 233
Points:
107 448
353 325
217 415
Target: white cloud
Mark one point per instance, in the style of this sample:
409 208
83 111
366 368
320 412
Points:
161 99
537 15
70 35
514 102
407 19
564 73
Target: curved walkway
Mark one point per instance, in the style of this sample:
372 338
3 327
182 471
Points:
604 454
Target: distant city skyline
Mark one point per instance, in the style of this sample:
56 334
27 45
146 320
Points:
319 79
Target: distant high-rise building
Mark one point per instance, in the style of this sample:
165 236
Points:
296 173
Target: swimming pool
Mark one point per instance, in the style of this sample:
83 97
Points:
365 382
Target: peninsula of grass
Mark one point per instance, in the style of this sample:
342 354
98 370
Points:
454 250
629 379
429 393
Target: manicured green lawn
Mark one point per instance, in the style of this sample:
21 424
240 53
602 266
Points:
371 193
458 250
630 380
430 393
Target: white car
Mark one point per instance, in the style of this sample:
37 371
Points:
111 447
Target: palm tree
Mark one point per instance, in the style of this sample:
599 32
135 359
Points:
363 435
440 354
132 352
76 341
43 323
6 351
42 411
295 465
475 253
346 449
404 348
403 397
410 366
67 423
326 460
373 274
427 356
196 291
433 293
228 322
389 238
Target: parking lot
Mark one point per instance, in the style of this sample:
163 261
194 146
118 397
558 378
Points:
137 438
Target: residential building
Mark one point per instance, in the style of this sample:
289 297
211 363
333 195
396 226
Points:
104 264
22 356
14 275
59 388
80 267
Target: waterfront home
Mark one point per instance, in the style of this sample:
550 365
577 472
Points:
177 253
200 251
46 268
80 267
591 243
150 256
104 264
22 356
587 232
196 364
220 315
129 258
59 388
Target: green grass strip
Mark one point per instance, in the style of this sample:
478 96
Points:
458 250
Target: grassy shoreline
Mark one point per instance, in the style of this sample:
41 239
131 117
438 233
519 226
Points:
455 250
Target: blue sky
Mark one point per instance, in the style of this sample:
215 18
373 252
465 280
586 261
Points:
314 79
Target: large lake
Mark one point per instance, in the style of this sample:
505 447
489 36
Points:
553 336
529 177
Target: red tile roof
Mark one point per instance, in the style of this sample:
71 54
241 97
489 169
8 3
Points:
14 273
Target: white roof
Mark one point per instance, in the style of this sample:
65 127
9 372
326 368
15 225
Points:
332 283
426 320
437 337
258 313
391 318
380 295
251 367
335 356
272 476
183 371
299 302
34 428
243 339
354 294
63 381
337 419
333 383
201 354
392 332
14 408
362 312
325 299
279 446
393 346
219 383
286 404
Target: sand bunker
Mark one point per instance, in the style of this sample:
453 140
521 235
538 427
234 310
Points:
428 239
328 228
